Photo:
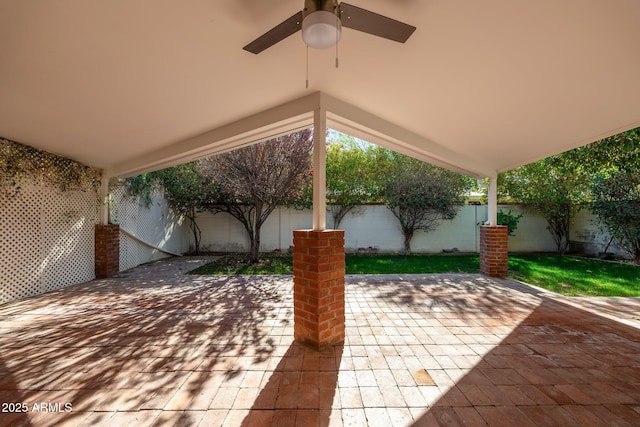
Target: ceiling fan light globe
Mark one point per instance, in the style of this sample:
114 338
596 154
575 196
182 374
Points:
321 29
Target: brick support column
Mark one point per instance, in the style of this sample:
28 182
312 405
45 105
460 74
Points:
494 250
107 250
318 287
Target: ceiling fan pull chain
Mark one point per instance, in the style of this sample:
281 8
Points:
307 85
337 39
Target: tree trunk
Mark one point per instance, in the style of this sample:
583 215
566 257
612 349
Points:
407 242
255 238
197 233
197 236
560 234
255 245
339 215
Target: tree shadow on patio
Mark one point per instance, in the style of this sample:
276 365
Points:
114 347
462 293
559 366
13 410
499 352
301 390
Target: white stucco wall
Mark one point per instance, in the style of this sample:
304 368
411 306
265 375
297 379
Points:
375 226
587 236
532 234
223 233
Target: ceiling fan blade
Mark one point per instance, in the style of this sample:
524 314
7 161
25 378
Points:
276 34
373 23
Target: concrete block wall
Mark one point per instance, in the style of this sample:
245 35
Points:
376 227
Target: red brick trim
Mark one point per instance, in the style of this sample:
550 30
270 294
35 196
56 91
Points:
494 250
107 250
318 287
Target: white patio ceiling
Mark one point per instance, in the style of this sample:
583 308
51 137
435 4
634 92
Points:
480 87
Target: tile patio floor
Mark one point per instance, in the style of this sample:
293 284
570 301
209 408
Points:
156 347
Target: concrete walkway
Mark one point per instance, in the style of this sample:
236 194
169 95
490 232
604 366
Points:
156 347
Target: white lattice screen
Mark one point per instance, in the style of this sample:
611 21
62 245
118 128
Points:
154 224
46 240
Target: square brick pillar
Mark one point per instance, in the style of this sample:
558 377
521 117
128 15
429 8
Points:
318 287
494 250
107 250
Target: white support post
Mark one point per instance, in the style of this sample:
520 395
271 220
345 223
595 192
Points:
492 207
319 169
104 196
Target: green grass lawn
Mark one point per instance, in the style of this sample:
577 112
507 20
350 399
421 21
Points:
411 264
239 264
566 275
577 276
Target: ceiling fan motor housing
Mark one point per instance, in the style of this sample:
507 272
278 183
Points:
321 25
311 6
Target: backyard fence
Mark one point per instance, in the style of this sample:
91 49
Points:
373 228
47 237
147 232
46 240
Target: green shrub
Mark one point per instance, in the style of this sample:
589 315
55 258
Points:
510 220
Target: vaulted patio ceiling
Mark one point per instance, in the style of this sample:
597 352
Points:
480 87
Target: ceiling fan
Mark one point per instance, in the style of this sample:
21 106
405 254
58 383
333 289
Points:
321 22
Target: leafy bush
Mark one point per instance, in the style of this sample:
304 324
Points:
617 205
510 220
